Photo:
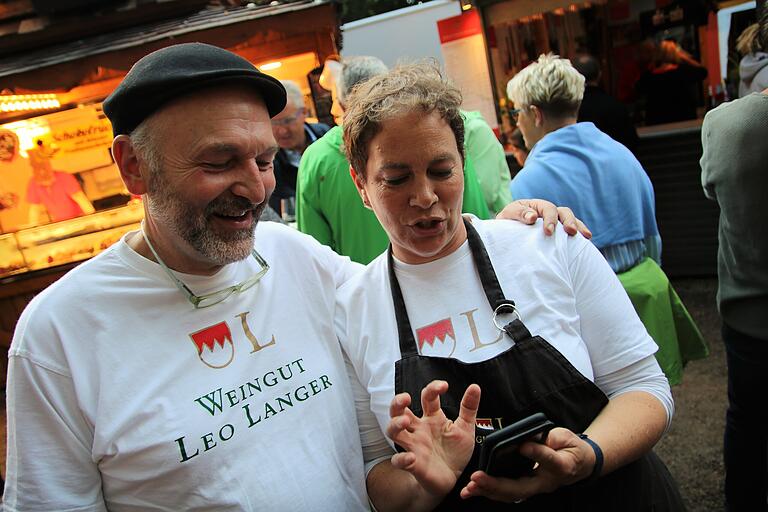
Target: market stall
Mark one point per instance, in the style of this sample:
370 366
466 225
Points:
61 197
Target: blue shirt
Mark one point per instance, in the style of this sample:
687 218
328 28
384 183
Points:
580 167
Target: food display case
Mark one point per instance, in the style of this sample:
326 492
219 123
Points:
11 259
65 242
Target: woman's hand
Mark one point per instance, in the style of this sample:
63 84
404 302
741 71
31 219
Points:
438 449
528 210
561 460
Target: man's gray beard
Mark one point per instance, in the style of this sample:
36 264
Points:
168 209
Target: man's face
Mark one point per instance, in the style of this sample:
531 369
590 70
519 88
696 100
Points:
215 175
415 183
526 122
337 110
288 128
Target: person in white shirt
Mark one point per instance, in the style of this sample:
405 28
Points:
540 323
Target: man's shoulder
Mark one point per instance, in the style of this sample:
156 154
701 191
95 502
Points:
358 285
270 234
276 241
72 297
473 119
324 151
754 105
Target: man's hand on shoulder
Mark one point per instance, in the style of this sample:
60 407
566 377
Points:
530 210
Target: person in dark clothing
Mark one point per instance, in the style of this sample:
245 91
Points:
293 135
607 113
669 83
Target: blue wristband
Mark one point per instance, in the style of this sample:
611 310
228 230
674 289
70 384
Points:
598 468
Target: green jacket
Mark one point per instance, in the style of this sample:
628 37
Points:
329 208
490 162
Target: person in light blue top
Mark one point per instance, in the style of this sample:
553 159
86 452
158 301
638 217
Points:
577 165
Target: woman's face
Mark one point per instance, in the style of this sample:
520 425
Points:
414 183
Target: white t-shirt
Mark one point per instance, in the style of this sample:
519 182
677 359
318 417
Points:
562 287
122 396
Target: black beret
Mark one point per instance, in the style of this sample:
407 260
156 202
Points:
176 70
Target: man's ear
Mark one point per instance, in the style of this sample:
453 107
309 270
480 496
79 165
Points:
127 161
359 182
538 115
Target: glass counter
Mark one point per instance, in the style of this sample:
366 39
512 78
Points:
68 241
11 259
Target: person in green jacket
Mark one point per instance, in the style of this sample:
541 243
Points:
488 159
328 206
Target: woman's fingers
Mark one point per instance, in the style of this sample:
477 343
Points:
430 397
400 424
470 403
571 223
399 404
498 489
404 460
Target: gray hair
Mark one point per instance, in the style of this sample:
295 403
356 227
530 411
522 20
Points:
145 147
293 92
356 70
551 83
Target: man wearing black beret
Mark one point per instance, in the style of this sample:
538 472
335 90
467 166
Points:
193 365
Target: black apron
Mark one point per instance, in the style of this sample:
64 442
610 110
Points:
529 377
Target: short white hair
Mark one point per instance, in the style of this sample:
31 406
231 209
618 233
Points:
293 92
551 83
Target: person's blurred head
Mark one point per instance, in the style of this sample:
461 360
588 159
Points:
588 66
762 23
518 147
288 125
201 155
547 95
356 70
9 145
42 171
404 138
344 75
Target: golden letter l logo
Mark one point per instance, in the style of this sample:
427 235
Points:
251 337
475 335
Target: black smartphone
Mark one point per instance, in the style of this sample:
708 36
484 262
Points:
499 454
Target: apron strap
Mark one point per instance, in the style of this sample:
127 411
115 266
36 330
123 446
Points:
408 346
488 278
517 330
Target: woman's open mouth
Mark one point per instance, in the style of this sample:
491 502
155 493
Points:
428 227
